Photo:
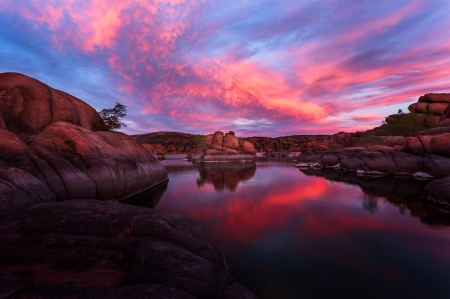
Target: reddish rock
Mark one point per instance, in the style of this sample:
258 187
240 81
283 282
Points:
439 144
104 165
230 141
423 98
218 138
438 97
414 146
425 141
444 122
28 106
412 107
247 146
438 108
71 161
208 139
217 147
422 107
447 111
229 150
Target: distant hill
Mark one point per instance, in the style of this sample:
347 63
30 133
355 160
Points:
167 142
176 142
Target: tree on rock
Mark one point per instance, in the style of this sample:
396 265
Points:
111 117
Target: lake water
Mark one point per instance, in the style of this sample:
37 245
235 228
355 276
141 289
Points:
288 233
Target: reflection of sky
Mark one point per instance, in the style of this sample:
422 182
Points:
297 233
255 67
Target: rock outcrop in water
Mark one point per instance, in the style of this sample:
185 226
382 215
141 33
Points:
218 147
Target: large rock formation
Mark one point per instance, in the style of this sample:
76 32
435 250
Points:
57 241
218 147
48 151
96 249
27 106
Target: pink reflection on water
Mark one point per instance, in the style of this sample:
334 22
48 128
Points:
281 221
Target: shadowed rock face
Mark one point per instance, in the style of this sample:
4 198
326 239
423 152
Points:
95 249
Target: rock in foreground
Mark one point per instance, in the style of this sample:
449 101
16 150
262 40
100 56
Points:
49 152
95 249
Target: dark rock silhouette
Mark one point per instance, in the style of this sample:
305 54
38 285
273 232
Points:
96 249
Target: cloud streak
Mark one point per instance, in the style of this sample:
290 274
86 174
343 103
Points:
201 66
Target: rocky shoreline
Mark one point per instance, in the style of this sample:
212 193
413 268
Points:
425 155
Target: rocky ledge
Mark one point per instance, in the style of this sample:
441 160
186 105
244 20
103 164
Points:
218 147
97 249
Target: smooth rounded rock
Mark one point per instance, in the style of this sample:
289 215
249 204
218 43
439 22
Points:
28 106
414 146
230 141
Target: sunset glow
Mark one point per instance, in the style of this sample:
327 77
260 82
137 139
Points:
268 68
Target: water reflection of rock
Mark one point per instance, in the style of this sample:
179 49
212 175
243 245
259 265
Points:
404 192
225 175
149 198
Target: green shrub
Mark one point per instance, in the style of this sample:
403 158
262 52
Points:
200 140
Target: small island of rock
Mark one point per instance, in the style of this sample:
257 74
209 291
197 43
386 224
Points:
218 147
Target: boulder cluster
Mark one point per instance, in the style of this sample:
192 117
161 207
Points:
432 109
219 147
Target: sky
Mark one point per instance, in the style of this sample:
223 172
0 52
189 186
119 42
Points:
259 68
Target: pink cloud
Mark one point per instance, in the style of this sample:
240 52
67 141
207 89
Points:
201 62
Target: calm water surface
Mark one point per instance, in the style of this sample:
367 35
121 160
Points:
292 234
